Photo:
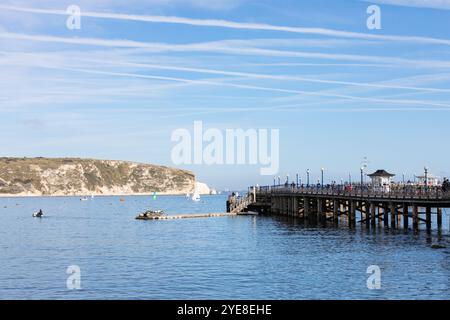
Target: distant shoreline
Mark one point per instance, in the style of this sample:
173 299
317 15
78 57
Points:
90 195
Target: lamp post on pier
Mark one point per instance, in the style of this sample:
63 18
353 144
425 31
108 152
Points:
322 170
297 178
426 178
279 180
307 177
362 176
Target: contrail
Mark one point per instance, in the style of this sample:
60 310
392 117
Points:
219 47
266 76
250 87
237 74
235 25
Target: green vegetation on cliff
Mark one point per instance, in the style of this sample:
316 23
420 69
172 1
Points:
72 176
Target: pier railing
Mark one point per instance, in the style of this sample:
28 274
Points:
239 204
363 191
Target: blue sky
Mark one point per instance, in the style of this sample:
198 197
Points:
347 92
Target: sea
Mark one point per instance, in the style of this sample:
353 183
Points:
96 249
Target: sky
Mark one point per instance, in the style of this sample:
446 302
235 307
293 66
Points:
135 71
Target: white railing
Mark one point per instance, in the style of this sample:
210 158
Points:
397 192
240 204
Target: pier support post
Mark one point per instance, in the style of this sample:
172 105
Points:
306 209
279 205
415 218
335 211
293 213
405 216
368 214
273 207
393 215
380 211
289 206
386 216
372 214
349 213
362 208
295 204
352 213
320 210
428 218
439 218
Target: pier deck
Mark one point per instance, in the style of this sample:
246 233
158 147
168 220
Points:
317 204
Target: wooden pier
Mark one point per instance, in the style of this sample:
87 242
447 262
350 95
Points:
398 208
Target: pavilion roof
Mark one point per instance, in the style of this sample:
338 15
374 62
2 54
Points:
381 173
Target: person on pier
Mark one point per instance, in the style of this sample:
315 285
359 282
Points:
445 185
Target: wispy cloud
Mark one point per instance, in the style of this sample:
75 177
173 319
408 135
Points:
222 47
236 25
152 5
23 57
434 4
252 87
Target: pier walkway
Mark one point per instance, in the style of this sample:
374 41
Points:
320 204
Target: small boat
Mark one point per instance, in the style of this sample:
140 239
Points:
150 214
195 196
38 214
84 199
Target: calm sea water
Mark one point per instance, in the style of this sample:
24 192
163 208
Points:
212 258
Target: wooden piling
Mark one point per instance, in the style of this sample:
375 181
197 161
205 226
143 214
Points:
306 209
368 214
335 211
428 218
380 211
405 216
439 218
393 215
352 214
415 218
373 213
295 206
386 216
320 210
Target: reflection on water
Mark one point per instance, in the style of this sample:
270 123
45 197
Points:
213 258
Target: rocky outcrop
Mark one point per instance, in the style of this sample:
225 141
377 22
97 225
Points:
202 188
72 176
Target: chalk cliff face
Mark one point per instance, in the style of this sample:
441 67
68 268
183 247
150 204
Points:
70 176
202 188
